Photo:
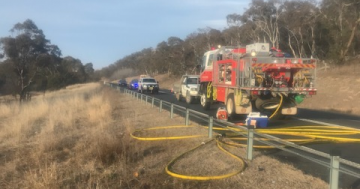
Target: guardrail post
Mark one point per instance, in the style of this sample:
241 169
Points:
160 109
146 97
172 110
152 102
250 142
187 117
334 169
137 96
211 122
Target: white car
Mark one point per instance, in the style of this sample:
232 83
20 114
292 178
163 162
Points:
148 84
188 88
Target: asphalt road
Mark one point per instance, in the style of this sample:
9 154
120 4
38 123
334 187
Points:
305 117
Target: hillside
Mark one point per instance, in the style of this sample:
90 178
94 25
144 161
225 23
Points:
338 90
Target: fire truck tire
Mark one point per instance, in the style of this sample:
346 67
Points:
230 105
204 101
188 98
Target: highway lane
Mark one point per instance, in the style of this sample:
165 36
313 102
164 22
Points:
305 117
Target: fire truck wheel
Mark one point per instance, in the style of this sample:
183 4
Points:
205 102
188 98
230 105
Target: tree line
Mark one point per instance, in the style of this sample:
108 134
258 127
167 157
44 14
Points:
327 30
32 63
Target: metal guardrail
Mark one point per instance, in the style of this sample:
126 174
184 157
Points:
333 163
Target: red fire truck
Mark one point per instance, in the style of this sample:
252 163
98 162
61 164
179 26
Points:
256 78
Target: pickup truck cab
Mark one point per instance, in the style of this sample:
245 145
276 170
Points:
188 88
148 84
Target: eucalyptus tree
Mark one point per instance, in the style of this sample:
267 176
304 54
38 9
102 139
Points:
233 35
242 30
162 58
177 62
299 20
30 53
88 68
265 15
342 17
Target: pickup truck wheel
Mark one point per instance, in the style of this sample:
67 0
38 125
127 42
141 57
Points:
230 106
189 99
178 96
205 102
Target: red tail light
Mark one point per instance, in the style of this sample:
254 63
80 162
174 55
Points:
312 92
255 92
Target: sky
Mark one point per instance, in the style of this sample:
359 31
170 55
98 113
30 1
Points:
104 31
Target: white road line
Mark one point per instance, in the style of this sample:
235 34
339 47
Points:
324 123
317 122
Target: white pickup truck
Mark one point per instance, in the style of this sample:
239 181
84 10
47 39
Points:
188 88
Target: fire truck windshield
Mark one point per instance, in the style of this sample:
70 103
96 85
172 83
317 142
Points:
203 64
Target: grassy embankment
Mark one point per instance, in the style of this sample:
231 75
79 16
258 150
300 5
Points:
80 138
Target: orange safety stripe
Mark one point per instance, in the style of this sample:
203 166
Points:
291 65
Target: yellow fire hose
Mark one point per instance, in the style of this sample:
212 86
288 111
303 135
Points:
193 177
299 134
133 135
307 134
172 162
278 108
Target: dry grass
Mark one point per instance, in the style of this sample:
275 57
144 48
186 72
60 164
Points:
337 90
80 138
